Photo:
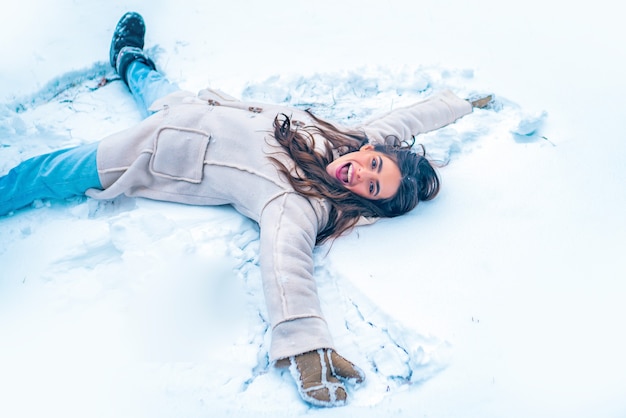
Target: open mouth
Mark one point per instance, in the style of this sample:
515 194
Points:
344 173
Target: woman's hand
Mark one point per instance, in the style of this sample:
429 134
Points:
317 375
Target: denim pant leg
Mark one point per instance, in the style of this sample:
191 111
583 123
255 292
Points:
71 172
147 85
58 175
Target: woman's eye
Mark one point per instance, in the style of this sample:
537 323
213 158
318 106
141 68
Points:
374 163
371 188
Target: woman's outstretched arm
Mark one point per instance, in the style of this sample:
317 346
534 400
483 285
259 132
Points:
300 336
404 123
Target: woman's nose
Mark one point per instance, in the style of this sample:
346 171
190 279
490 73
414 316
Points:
363 174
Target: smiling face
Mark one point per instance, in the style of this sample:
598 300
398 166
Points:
367 173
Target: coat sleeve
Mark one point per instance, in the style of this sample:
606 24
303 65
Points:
289 226
404 123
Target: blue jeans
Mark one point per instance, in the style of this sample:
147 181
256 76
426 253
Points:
147 85
71 172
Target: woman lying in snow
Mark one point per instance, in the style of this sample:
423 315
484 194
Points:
303 180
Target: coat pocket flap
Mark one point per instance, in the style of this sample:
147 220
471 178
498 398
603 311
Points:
179 154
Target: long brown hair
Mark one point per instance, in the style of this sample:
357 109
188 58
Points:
419 179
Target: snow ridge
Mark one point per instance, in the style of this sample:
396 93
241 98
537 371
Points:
352 97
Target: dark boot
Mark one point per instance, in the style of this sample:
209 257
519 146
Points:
127 44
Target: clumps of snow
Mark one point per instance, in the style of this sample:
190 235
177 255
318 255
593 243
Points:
352 97
528 129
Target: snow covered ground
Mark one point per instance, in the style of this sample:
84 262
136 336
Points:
503 297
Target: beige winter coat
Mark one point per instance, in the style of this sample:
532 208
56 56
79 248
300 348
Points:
212 149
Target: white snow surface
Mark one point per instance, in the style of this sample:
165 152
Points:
503 297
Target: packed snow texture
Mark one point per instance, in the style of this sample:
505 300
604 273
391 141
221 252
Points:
137 308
